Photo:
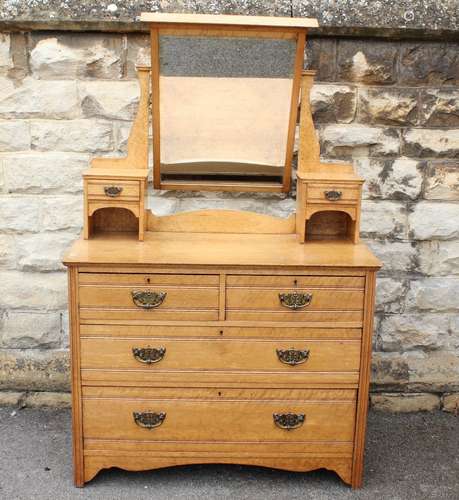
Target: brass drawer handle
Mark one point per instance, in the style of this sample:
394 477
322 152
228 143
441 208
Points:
288 421
292 356
148 420
113 191
295 300
148 300
333 195
148 355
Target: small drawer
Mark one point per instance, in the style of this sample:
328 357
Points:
296 281
288 416
148 302
157 354
333 193
193 280
113 190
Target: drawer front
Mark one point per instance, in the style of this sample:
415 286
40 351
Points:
334 193
148 296
114 190
156 354
296 281
219 419
293 299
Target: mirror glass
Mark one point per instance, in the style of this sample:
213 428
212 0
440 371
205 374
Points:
224 108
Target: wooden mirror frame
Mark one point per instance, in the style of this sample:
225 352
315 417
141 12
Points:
204 25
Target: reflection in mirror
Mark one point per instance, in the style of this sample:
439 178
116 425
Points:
224 108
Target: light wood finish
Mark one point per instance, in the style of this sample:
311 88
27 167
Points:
217 20
220 354
219 376
200 249
220 221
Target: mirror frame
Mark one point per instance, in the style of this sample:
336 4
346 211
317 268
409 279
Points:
203 25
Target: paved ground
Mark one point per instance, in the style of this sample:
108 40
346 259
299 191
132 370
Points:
414 456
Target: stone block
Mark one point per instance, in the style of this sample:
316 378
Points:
35 370
435 371
109 100
86 136
430 220
399 179
450 403
442 181
32 291
137 52
43 251
14 136
352 141
28 329
44 172
47 399
403 332
76 55
7 251
5 58
440 108
19 51
435 294
388 106
431 143
389 295
10 398
432 63
405 402
321 56
39 99
366 61
20 213
62 212
383 219
333 103
439 258
396 256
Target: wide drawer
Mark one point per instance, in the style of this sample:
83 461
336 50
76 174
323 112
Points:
226 416
159 354
113 190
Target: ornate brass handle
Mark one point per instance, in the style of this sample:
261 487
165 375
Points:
292 356
295 300
333 195
148 419
148 355
147 299
288 421
113 191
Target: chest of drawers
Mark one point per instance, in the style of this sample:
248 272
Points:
247 349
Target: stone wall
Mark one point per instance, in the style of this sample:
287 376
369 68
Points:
391 106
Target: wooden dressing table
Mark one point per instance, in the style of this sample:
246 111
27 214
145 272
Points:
220 336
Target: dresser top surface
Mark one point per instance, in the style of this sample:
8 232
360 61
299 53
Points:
217 249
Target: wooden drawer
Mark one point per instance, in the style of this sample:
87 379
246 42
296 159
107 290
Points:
333 193
157 354
119 190
296 281
225 416
164 297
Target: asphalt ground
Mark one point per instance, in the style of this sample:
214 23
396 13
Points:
409 456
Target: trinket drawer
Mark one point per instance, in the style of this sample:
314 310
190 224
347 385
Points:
247 349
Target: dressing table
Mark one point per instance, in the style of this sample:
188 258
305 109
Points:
220 336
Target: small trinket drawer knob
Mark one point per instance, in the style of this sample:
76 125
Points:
113 191
148 355
147 299
288 421
149 420
292 356
295 300
333 195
